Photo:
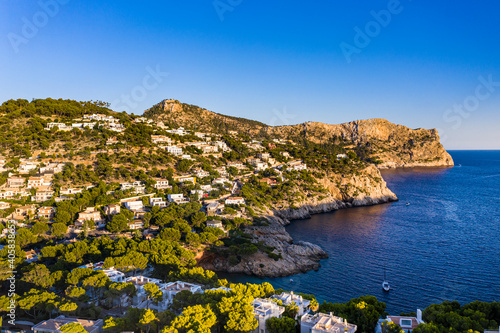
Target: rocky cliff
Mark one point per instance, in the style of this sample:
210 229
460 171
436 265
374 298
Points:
366 188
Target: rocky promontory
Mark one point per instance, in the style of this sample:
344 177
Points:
367 188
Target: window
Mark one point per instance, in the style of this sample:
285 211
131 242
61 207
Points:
405 322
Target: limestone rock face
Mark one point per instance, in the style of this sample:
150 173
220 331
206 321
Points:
367 188
394 145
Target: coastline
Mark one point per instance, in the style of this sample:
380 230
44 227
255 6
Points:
300 257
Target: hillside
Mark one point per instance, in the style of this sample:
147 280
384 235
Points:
375 140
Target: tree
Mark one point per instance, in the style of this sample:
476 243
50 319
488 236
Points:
40 228
59 229
118 223
148 318
194 319
280 325
72 328
390 327
38 275
25 237
153 292
237 313
63 217
170 234
198 218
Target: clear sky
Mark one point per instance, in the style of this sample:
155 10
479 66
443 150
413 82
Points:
419 63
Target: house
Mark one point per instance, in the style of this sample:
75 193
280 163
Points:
157 202
54 325
4 205
114 275
15 181
70 191
206 188
26 167
32 256
222 171
237 165
289 298
169 290
177 198
220 181
25 210
35 182
160 139
112 209
285 154
161 184
235 201
52 168
264 156
91 214
297 166
137 187
407 324
46 213
201 173
214 208
199 193
209 149
42 195
185 179
215 224
136 225
180 131
173 288
341 156
137 205
60 126
268 181
325 323
112 141
174 150
263 310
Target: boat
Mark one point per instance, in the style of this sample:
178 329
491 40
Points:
291 280
385 285
407 203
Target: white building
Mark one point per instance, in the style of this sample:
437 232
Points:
136 187
289 298
134 205
265 309
177 198
325 323
60 126
215 224
174 150
220 181
54 325
341 156
407 324
157 202
235 201
162 184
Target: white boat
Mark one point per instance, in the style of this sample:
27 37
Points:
385 285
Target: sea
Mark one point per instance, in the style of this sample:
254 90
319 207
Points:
440 241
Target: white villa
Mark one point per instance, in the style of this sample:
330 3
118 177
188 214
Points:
174 150
288 298
177 198
325 323
235 201
161 184
265 309
407 324
157 202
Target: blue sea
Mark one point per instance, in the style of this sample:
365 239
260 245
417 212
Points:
444 245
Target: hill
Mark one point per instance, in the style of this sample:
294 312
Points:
375 140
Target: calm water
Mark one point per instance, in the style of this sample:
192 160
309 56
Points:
444 246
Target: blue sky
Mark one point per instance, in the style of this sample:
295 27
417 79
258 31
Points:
422 64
